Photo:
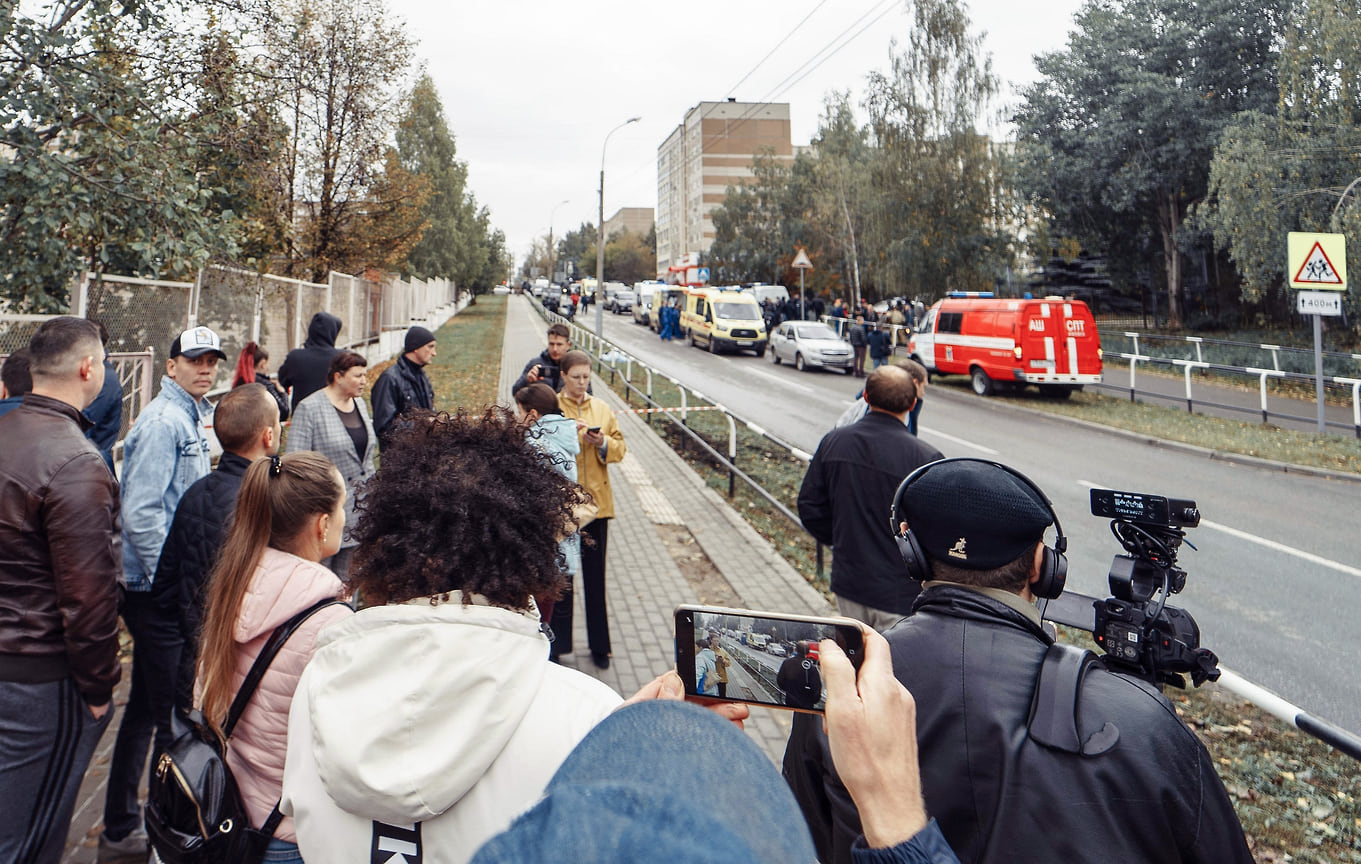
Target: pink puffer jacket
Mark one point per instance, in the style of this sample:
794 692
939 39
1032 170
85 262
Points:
282 586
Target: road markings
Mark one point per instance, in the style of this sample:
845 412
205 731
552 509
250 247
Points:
780 380
979 447
1262 541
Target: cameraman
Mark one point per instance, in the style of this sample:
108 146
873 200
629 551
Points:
1143 789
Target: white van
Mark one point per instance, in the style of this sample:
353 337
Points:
774 293
642 303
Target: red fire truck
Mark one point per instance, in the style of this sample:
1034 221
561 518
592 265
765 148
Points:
1050 342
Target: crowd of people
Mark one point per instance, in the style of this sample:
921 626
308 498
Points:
418 712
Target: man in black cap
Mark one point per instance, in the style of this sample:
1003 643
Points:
303 371
404 384
847 492
1137 786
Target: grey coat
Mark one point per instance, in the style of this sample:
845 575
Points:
317 426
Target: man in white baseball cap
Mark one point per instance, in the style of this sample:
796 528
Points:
163 454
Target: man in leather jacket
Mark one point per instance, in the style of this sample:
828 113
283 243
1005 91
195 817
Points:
404 384
59 569
1143 787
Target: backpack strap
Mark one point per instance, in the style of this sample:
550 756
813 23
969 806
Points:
267 654
1053 707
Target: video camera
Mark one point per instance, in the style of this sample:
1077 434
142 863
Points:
1136 628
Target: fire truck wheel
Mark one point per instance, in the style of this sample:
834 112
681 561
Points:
982 384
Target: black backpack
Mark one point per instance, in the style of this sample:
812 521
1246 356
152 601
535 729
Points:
194 813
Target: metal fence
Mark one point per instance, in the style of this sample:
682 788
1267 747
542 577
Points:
143 316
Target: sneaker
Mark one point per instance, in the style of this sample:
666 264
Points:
132 848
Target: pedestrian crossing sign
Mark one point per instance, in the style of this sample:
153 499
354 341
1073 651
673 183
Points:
1317 262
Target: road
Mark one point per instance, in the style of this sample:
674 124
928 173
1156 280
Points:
1275 584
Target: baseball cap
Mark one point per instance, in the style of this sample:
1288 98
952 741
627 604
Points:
660 781
973 514
196 342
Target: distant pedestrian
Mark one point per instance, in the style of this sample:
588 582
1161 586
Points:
16 381
106 412
334 422
850 486
164 453
722 663
880 345
252 367
404 386
859 345
304 369
706 667
59 583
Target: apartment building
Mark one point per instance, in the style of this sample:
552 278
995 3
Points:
635 220
709 151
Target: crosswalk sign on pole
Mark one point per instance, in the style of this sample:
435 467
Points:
1317 262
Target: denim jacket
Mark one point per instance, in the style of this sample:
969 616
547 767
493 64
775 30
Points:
164 453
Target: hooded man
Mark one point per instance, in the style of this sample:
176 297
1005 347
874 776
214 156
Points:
304 369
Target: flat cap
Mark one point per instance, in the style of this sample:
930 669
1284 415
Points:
973 514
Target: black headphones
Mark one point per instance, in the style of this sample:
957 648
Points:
1053 567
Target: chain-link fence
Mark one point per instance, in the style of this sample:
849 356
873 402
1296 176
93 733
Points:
16 330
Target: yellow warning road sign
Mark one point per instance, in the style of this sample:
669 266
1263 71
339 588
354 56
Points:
1317 262
801 261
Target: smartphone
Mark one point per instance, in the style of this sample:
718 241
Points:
593 429
768 658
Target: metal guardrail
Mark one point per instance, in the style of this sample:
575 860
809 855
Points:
1262 375
1198 343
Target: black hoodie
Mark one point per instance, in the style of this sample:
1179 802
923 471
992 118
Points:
305 368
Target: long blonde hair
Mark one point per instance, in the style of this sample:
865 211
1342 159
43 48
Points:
279 496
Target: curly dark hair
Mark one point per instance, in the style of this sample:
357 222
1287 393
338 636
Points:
462 502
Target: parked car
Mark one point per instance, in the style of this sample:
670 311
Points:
777 649
621 301
723 319
810 345
501 289
643 294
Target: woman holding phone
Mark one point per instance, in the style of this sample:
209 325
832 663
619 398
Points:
601 443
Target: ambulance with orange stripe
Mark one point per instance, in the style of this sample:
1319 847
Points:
1050 342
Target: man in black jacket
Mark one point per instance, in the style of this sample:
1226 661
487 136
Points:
246 423
1142 787
847 492
304 369
544 366
404 384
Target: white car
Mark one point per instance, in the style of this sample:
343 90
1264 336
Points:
776 649
810 345
501 289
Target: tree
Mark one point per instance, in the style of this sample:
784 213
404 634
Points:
1118 132
101 139
747 226
577 248
935 221
841 178
427 148
339 66
1297 169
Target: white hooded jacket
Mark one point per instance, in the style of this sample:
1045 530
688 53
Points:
428 724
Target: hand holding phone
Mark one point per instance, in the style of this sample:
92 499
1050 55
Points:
759 658
871 725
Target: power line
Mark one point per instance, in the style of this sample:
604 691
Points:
776 48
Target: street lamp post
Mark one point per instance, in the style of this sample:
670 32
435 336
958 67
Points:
553 253
600 236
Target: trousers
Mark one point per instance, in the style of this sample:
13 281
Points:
593 586
47 736
156 646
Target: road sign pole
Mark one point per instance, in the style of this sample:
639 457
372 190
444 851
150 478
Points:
803 301
1318 370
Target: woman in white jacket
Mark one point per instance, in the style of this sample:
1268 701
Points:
431 718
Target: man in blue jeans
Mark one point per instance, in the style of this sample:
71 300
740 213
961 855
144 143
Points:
59 567
166 451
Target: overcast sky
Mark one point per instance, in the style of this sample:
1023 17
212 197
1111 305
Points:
531 87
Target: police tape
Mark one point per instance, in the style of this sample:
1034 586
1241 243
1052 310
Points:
670 410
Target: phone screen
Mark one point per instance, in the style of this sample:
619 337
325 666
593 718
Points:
758 657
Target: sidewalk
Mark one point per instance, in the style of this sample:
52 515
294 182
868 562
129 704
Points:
656 496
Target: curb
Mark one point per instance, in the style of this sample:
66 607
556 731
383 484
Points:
1167 444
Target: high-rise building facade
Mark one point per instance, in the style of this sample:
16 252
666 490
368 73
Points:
709 151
